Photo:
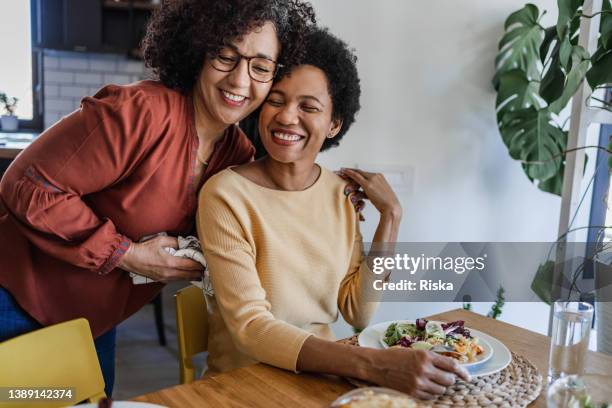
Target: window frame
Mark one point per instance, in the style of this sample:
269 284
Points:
36 123
601 188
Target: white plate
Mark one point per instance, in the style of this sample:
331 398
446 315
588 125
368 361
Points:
123 404
484 356
499 359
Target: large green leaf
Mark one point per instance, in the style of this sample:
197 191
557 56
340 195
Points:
601 71
567 11
515 92
572 82
554 184
519 48
550 37
565 53
571 54
543 281
551 86
605 27
531 137
579 54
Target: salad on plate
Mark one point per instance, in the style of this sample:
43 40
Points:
451 339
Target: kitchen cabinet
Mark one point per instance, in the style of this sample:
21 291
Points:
67 24
124 24
91 25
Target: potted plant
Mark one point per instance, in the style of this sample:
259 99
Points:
537 72
9 120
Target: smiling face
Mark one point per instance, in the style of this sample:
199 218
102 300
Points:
297 116
229 97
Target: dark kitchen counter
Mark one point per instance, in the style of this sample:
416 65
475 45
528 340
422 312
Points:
12 143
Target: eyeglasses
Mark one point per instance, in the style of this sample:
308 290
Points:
261 69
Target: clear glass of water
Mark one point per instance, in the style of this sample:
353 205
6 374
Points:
570 338
590 390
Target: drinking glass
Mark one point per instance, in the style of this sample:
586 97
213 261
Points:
589 390
570 338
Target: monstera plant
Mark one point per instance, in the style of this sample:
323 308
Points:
538 70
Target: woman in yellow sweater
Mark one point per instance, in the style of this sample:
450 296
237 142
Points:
282 240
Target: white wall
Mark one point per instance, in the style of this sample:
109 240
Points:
428 105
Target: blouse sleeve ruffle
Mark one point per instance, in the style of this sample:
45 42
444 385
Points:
63 226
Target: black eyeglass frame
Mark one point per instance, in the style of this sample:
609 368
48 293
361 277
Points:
214 54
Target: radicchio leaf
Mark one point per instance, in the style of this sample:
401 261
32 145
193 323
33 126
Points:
421 323
466 333
456 327
451 326
405 342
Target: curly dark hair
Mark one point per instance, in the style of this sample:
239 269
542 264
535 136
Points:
339 63
182 32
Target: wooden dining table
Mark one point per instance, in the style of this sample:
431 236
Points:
262 386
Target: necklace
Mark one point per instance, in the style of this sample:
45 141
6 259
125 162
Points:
312 179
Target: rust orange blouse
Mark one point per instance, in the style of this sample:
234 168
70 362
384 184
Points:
118 169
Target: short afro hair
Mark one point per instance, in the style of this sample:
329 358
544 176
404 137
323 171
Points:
339 63
182 32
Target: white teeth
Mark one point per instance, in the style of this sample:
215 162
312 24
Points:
287 136
235 98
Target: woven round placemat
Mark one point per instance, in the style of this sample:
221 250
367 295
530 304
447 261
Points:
515 386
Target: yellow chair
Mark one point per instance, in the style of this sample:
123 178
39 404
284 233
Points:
58 356
192 329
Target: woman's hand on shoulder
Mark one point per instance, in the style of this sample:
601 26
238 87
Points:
376 189
150 259
420 373
356 193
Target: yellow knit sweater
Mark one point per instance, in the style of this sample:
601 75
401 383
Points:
282 264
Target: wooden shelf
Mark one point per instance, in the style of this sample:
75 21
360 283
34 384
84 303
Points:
126 5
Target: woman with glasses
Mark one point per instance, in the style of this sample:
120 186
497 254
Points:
128 164
283 245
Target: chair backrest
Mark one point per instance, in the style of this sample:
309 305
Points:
192 329
58 356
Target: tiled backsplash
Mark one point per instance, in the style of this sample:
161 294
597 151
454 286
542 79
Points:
69 76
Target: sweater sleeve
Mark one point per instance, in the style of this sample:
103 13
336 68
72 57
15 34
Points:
87 151
357 301
238 290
